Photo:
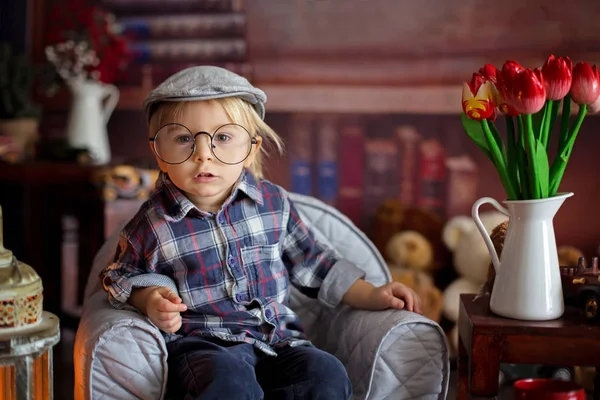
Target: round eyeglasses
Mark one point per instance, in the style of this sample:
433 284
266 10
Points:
230 144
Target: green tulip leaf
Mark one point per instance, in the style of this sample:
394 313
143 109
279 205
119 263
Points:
511 161
537 120
475 132
541 160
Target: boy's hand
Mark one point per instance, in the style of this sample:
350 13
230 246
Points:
162 306
365 296
395 295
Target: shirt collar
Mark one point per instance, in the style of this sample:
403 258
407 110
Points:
249 186
173 205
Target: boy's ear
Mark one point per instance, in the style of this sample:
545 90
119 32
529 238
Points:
254 152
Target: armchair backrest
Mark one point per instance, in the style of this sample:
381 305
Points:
336 230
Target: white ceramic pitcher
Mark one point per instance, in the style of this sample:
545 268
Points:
527 284
89 114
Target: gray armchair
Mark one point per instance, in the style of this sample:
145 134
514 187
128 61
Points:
392 354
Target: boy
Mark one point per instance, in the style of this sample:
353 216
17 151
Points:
210 256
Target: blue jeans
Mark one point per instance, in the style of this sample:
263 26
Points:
201 368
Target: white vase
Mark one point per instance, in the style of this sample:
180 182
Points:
92 105
527 284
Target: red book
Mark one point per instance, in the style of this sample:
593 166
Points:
432 176
380 171
351 169
171 6
409 140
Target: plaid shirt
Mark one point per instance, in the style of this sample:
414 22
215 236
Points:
232 269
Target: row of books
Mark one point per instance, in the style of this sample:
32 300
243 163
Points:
127 7
341 161
167 36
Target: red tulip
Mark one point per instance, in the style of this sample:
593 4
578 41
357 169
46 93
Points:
478 98
529 93
595 106
505 84
489 72
506 78
585 88
508 110
558 74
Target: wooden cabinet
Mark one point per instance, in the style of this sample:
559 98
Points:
35 198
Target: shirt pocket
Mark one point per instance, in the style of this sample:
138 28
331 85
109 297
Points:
267 275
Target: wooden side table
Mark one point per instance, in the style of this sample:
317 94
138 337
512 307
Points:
487 340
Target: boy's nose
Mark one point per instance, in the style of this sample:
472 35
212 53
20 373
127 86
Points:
203 151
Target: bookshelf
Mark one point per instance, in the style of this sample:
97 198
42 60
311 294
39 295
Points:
298 74
321 98
130 99
378 99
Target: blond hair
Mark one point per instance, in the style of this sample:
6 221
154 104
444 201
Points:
239 112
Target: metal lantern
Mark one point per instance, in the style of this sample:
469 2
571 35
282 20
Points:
27 333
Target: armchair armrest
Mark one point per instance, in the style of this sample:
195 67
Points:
388 354
118 354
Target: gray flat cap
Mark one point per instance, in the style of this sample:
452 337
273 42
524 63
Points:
204 83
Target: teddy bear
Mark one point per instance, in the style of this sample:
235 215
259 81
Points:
409 238
127 182
392 217
410 250
470 258
410 257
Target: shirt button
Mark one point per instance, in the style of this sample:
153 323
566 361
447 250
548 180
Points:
268 313
221 219
231 261
239 297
